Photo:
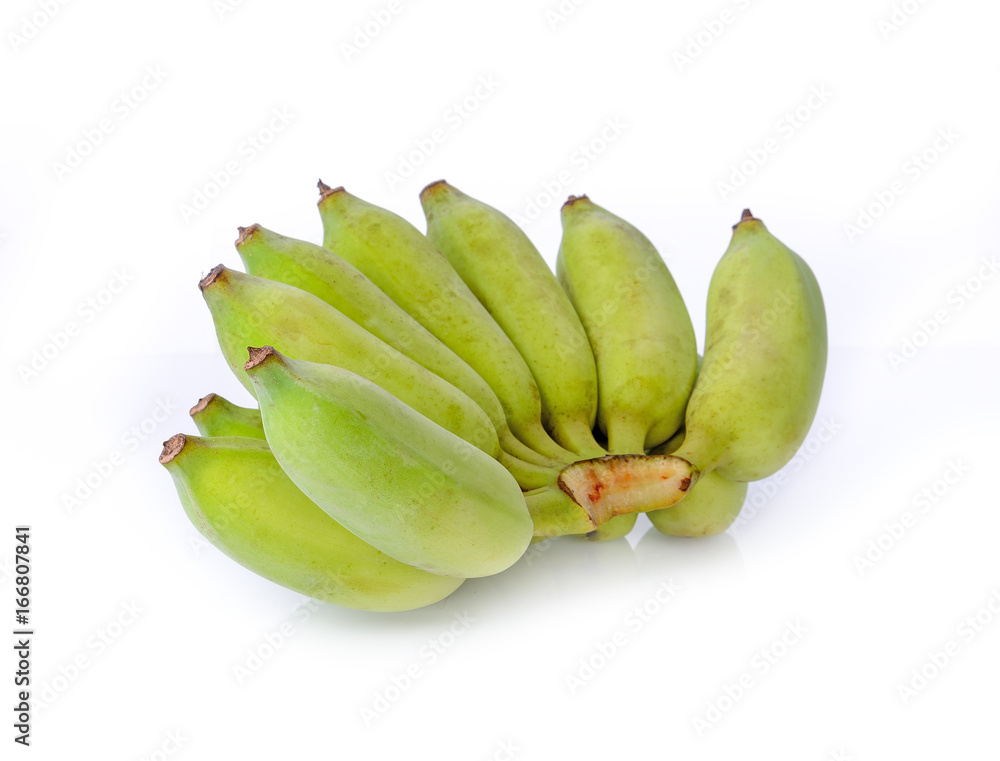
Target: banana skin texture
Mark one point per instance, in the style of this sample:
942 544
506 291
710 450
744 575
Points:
237 496
314 269
388 474
637 323
251 311
400 260
216 416
765 358
510 278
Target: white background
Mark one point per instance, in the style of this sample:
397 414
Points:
895 77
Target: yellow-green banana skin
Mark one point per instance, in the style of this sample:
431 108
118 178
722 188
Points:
238 497
400 260
314 269
217 416
252 311
637 323
388 474
510 278
765 358
710 507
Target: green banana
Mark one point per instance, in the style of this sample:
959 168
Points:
765 358
710 508
238 497
637 323
216 416
314 269
385 472
251 311
510 278
400 260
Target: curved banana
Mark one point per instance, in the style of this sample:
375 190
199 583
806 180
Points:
510 278
314 269
217 416
637 323
251 311
400 260
238 497
385 472
765 358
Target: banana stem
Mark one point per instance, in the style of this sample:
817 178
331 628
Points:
625 484
518 449
555 514
577 436
535 436
528 475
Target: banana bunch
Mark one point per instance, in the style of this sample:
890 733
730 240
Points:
429 404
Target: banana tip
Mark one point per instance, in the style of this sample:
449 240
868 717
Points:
202 404
246 233
746 217
258 355
325 191
573 199
212 276
172 447
437 184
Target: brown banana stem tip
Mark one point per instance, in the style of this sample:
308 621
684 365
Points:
432 185
212 276
325 191
202 404
573 199
246 233
747 216
258 355
172 447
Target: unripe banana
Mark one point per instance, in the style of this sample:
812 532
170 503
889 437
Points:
314 269
216 416
637 323
400 260
765 357
388 474
510 278
251 311
238 497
